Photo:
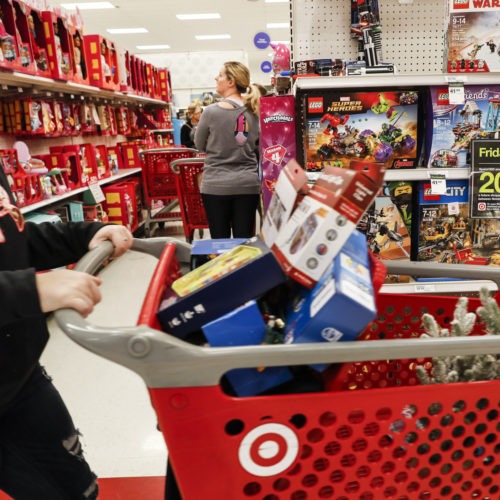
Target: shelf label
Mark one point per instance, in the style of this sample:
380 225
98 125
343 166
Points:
456 93
484 180
96 191
438 183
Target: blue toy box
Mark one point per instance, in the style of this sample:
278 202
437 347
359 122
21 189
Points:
341 304
218 287
245 326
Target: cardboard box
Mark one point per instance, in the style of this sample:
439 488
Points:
324 219
341 304
245 326
218 287
204 250
291 180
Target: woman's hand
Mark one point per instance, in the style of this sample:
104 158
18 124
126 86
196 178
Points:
64 288
120 236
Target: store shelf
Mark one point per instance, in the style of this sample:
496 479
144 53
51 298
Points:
123 173
36 84
393 81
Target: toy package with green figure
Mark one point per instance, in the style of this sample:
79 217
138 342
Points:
376 126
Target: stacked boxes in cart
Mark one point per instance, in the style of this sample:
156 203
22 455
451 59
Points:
306 278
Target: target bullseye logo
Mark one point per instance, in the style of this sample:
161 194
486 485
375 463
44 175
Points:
268 450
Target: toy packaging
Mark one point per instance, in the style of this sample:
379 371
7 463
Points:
277 139
378 126
245 326
387 223
473 37
324 219
291 180
454 126
444 226
340 305
219 286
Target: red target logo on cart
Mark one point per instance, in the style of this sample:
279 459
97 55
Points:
268 450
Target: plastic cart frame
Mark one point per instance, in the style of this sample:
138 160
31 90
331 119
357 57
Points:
419 442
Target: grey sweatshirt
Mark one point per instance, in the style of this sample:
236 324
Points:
231 147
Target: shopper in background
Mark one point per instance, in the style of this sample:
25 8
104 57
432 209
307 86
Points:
228 133
40 453
193 115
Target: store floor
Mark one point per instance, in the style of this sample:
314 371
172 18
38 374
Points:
109 403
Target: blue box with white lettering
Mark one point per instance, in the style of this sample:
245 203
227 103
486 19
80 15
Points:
245 326
341 304
219 286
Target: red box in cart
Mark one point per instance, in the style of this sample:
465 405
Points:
325 218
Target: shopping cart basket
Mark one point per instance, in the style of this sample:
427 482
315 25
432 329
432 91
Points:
188 173
412 442
160 193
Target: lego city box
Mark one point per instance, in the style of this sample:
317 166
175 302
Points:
337 126
324 219
291 181
219 286
245 326
340 305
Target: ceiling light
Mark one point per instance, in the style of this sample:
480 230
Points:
195 17
152 47
276 1
126 31
212 37
277 25
88 6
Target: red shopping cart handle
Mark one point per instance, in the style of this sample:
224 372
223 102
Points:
162 360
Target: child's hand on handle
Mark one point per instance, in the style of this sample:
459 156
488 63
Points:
120 236
64 288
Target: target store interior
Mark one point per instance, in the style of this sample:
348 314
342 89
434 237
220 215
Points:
309 308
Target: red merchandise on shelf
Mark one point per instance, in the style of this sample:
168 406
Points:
120 204
21 11
102 62
58 46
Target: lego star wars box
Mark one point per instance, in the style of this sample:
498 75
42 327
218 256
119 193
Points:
245 326
338 126
341 304
219 286
324 219
454 126
473 36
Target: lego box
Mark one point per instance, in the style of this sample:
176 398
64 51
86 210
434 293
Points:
218 287
378 126
454 126
245 326
324 219
340 305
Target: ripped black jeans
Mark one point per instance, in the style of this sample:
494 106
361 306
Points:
40 452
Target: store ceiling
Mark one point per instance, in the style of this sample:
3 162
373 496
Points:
242 19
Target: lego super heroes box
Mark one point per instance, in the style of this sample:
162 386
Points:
337 126
454 126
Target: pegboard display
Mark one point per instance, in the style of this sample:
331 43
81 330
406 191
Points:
413 34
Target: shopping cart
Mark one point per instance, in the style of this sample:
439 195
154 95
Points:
160 193
410 442
188 173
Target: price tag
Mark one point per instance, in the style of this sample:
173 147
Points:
438 183
456 93
96 191
453 208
